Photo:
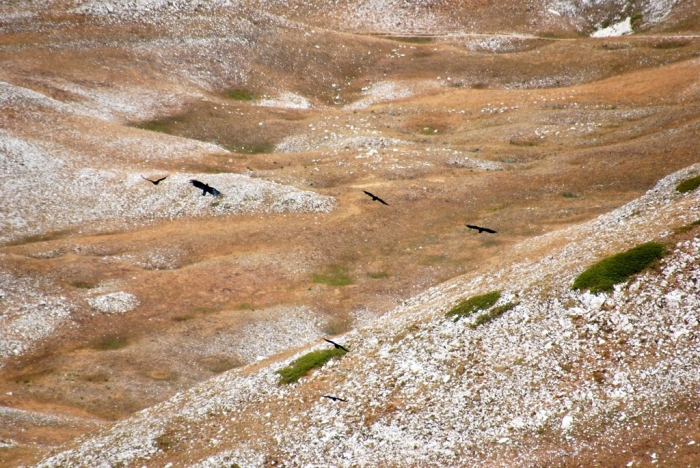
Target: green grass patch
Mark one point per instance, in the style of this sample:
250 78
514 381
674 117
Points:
239 94
304 364
84 284
378 275
687 227
155 126
336 276
688 185
412 39
615 269
569 195
112 342
492 314
474 304
250 148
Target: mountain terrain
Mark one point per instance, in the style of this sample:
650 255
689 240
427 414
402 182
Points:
144 324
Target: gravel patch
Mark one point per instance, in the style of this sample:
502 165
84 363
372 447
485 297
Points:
118 302
26 315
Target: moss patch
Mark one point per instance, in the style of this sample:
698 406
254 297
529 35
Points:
474 304
612 270
688 185
304 364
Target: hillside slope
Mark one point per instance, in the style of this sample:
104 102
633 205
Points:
562 378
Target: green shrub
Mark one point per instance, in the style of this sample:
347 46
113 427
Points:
304 364
689 185
493 313
336 276
474 304
612 270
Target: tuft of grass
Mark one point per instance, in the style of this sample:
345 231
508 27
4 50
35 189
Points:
492 314
615 269
304 364
688 185
84 284
569 195
336 276
239 94
111 342
474 304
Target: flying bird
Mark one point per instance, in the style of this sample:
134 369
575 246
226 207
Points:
337 346
334 398
481 229
205 188
376 198
155 182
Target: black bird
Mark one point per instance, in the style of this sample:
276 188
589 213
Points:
337 346
375 198
205 188
155 182
481 229
334 398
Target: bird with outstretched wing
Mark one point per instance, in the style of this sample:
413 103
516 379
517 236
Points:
205 188
334 398
376 198
337 346
155 182
481 229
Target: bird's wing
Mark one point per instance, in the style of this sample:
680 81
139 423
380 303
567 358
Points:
371 195
471 226
198 184
147 179
160 180
344 348
214 192
382 201
490 230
